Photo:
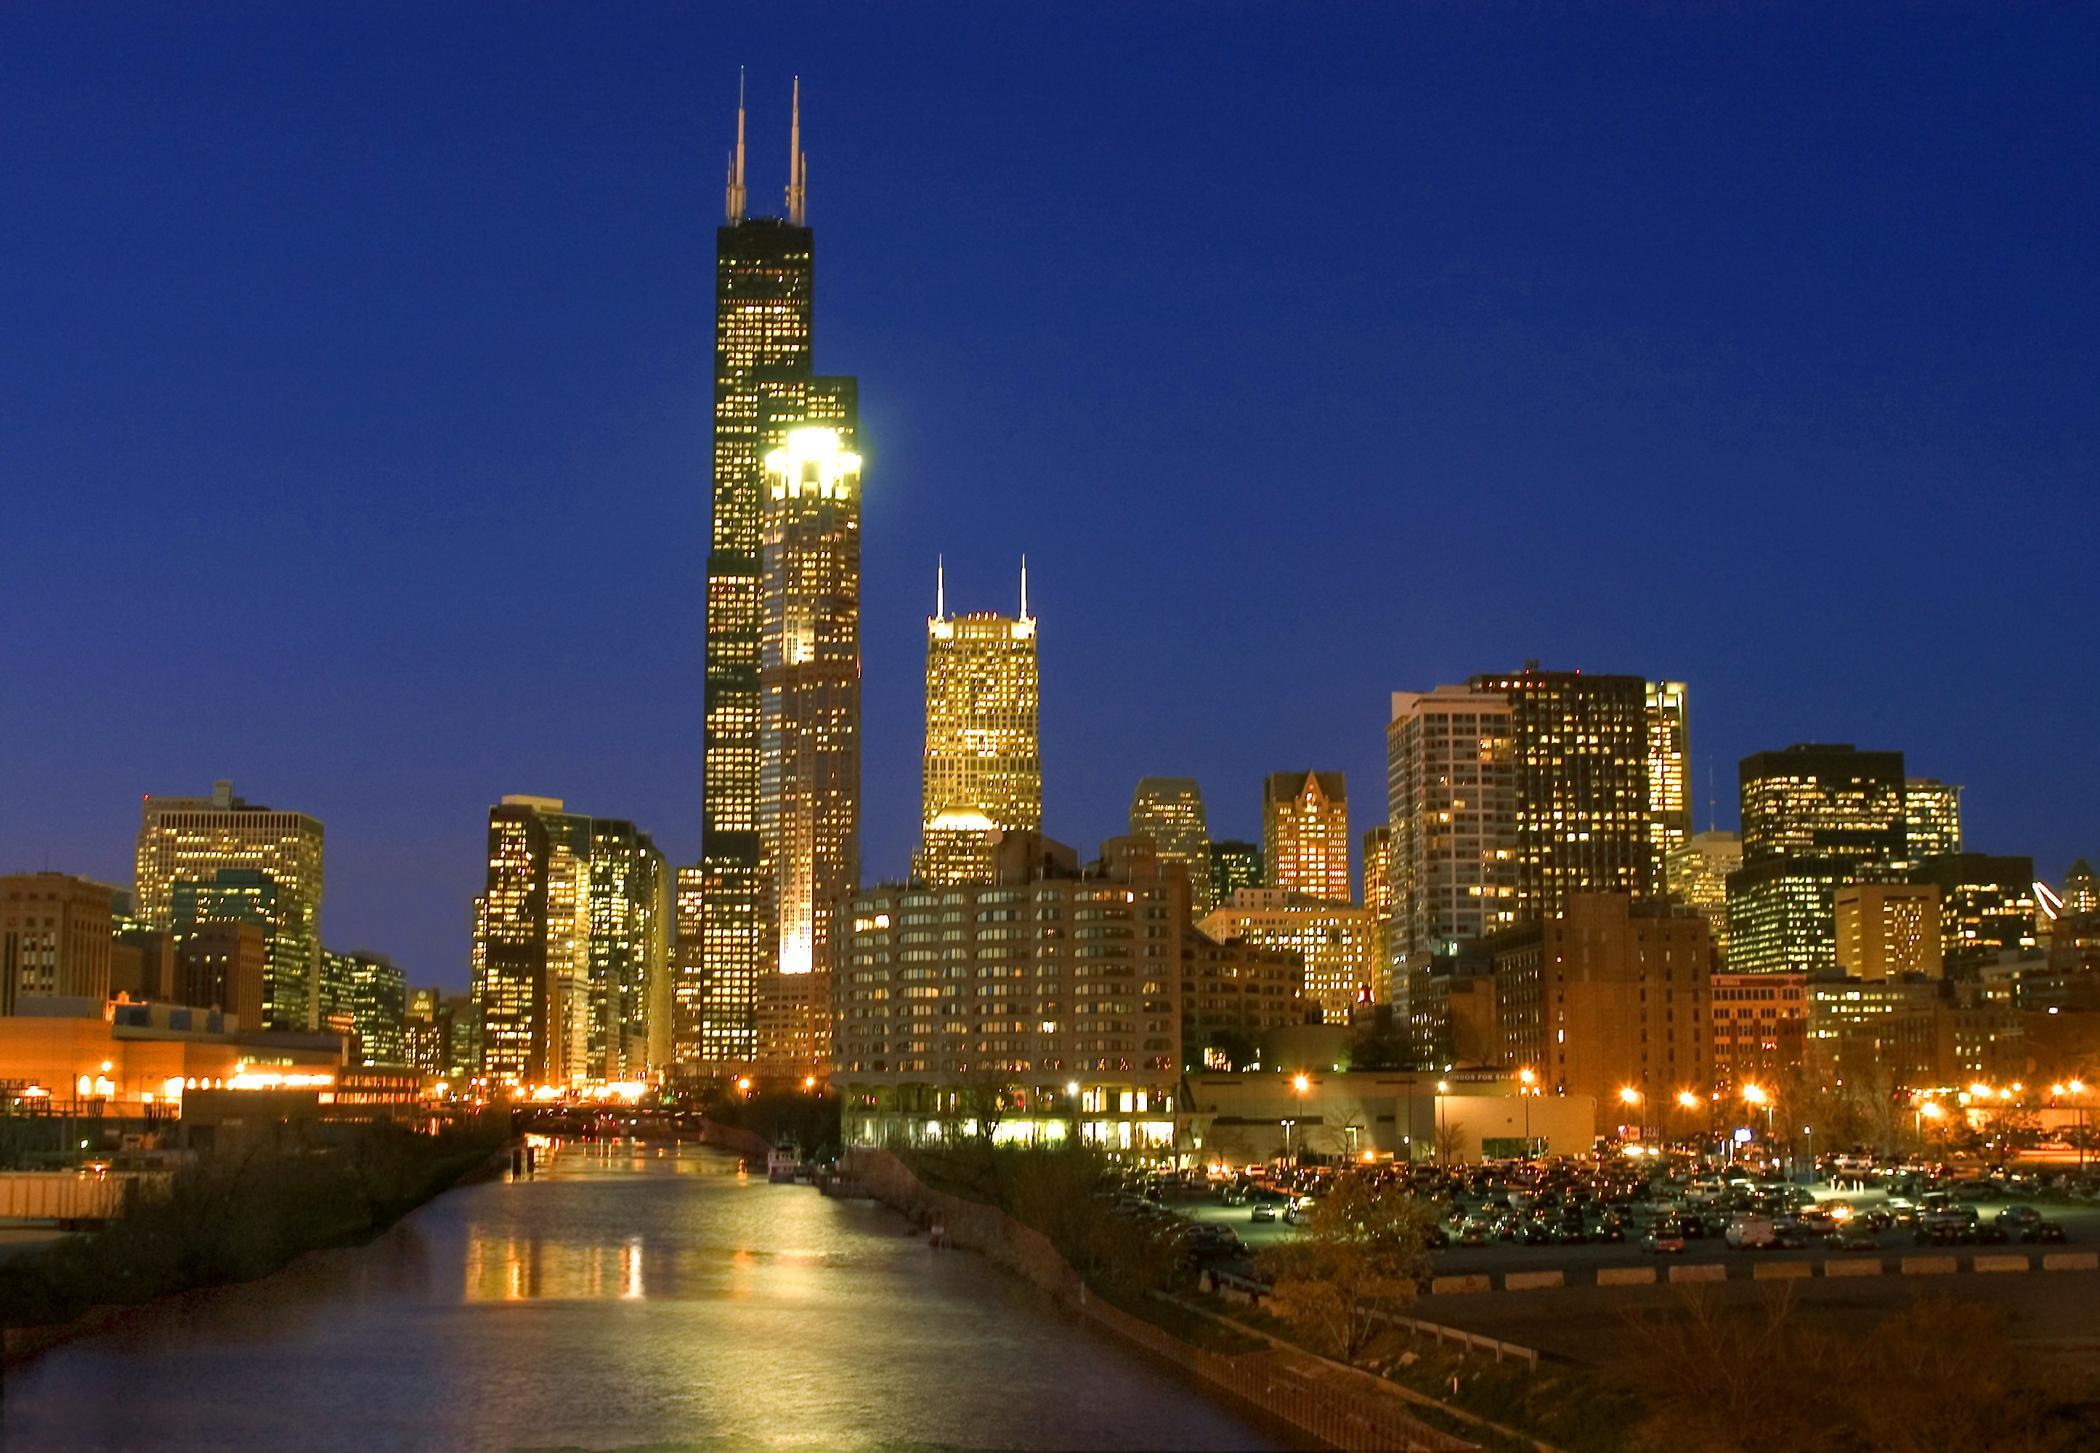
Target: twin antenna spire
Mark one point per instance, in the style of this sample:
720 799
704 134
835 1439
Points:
798 164
940 587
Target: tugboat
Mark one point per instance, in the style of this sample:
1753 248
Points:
781 1164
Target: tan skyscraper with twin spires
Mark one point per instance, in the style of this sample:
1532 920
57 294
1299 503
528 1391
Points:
983 768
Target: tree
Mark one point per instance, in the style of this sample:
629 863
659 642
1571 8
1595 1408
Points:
985 1095
1361 1251
1450 1142
1938 1375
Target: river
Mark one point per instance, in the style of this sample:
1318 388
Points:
628 1297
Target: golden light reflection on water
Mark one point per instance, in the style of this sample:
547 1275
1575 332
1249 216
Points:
528 1269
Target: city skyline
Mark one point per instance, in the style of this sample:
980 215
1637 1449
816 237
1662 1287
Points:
402 831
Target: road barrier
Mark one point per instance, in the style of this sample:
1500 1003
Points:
1852 1268
1443 1286
2071 1261
1699 1271
2002 1262
1532 1281
1625 1276
1782 1270
1931 1265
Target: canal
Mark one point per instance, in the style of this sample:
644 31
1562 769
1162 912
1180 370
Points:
628 1297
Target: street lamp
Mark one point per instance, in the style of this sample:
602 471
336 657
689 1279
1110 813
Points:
1299 1085
1527 1087
1755 1095
1688 1102
1443 1088
1632 1099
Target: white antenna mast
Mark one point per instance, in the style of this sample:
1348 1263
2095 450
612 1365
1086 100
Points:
733 203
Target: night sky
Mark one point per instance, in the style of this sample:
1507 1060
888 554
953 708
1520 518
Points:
354 396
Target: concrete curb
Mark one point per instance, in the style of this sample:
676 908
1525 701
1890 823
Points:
2001 1263
1448 1285
1931 1265
1531 1281
1781 1270
1699 1271
1852 1268
1625 1276
2071 1261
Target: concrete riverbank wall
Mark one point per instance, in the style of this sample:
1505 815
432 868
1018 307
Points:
747 1143
1334 1406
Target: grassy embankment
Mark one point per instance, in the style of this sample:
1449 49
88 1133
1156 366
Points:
240 1214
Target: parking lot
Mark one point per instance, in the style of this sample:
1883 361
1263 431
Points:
1518 1233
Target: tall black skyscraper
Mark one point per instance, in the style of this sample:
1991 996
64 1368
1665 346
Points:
764 389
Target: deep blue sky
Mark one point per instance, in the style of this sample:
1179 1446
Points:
354 380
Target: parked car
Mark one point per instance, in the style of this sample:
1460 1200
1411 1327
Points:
1261 1213
2019 1218
1793 1236
1853 1238
1663 1240
1750 1233
2048 1231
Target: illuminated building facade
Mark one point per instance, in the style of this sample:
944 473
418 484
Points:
1233 865
1669 772
764 289
1607 997
983 768
1891 1035
1815 818
1231 992
1579 755
1760 1028
1451 806
571 940
1987 907
628 948
369 995
1782 916
223 964
108 1064
1305 834
2081 889
513 989
55 936
247 895
1887 930
809 738
1931 818
1169 811
1055 989
1378 895
691 982
1697 872
190 839
1331 941
1823 801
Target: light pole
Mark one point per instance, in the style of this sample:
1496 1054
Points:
1635 1101
2077 1099
1299 1085
1527 1086
1687 1101
1755 1095
1443 1088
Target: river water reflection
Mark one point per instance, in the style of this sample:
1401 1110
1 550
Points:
629 1297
